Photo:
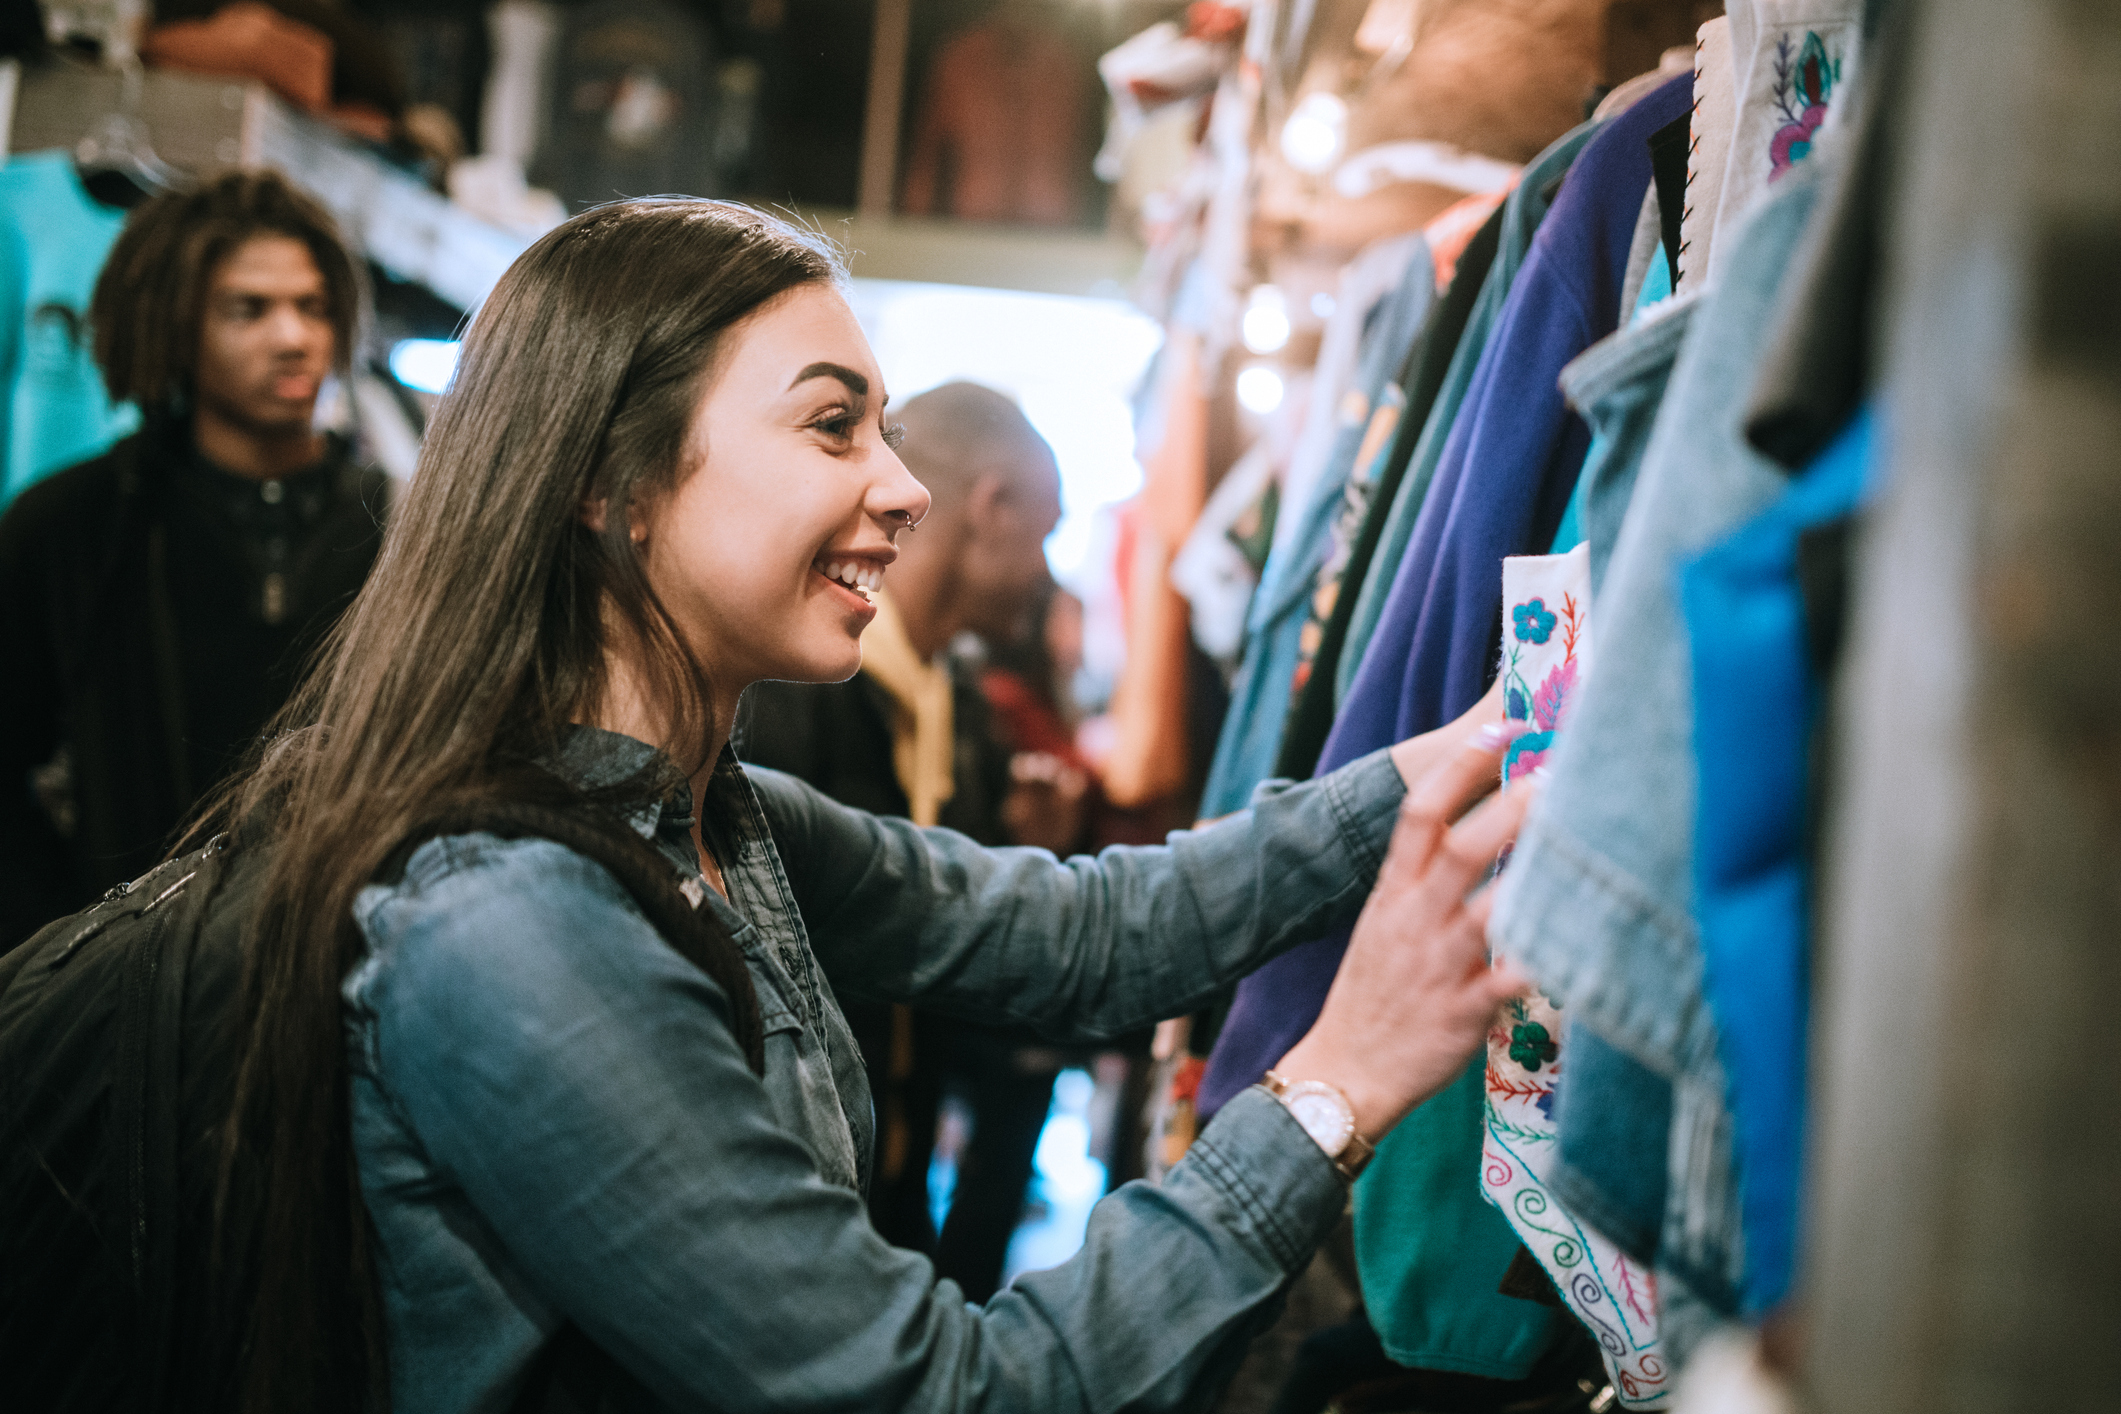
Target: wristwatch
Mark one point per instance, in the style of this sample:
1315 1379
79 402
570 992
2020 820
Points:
1327 1117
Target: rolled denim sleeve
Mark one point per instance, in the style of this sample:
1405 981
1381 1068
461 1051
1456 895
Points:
1086 948
619 1165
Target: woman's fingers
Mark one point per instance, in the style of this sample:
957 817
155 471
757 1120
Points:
1469 848
1442 796
1464 776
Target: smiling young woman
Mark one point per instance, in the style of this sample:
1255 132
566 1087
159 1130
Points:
483 1102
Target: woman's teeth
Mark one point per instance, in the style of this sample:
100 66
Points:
860 578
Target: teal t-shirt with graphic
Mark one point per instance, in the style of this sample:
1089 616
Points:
53 240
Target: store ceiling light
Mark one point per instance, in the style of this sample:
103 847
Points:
1259 389
1266 323
1316 132
425 365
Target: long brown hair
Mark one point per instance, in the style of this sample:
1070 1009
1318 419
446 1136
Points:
481 633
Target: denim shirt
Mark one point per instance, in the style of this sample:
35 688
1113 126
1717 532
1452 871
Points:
553 1121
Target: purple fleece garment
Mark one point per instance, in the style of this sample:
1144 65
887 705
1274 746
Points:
1505 478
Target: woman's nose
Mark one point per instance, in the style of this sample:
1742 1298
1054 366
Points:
896 497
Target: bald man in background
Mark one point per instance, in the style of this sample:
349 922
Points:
910 735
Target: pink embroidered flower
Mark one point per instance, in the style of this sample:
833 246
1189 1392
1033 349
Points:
1793 141
1552 699
1524 763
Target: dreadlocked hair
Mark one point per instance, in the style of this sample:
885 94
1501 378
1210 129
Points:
150 298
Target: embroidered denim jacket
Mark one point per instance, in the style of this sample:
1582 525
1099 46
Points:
553 1122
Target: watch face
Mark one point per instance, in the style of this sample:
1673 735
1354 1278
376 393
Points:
1324 1117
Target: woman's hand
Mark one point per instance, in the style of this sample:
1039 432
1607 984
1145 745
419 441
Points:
1415 992
1418 755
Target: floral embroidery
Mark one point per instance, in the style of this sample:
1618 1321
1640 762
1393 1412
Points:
1803 87
1528 1050
1531 1046
1535 624
1544 707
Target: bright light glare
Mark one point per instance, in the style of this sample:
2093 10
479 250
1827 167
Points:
1266 321
1259 389
1322 305
1312 137
1072 363
425 364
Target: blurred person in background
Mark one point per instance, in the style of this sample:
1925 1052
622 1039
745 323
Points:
161 598
912 735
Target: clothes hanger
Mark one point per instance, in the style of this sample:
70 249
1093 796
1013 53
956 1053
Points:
117 162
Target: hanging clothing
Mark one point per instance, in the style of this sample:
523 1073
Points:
1708 151
1004 128
1362 485
1764 614
1381 709
1150 758
1757 697
1430 1268
1788 61
1337 399
632 104
1617 386
1610 1111
159 611
1598 903
1510 466
1522 213
1250 739
54 409
1311 712
1547 655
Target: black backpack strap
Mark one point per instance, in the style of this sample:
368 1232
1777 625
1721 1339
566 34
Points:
696 933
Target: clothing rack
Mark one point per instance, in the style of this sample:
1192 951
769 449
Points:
197 124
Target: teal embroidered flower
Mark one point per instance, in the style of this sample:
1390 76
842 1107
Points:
1535 622
1531 1046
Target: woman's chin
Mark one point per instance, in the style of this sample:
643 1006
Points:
824 667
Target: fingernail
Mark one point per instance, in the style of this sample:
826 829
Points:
1496 735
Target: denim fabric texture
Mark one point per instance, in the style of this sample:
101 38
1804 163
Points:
1757 698
1252 729
1522 213
1617 385
553 1122
1599 902
1613 1122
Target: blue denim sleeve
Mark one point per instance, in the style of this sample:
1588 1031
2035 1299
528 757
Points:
1087 948
577 1081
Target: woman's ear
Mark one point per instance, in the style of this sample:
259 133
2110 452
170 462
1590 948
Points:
591 514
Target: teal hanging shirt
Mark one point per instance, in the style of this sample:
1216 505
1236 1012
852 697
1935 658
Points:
53 239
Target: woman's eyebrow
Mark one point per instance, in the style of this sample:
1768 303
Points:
856 383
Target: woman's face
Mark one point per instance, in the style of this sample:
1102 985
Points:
768 552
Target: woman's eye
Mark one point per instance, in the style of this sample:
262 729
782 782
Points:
840 425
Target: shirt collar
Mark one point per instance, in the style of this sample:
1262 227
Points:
591 758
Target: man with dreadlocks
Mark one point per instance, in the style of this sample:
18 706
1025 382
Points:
160 599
